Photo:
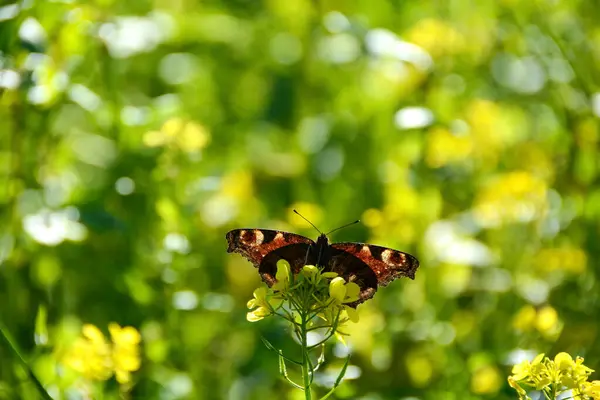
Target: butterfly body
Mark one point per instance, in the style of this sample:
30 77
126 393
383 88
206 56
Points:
367 265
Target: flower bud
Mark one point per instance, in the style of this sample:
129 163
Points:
309 271
337 289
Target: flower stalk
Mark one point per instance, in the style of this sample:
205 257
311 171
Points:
309 301
306 368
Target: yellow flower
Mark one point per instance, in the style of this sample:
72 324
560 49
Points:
331 313
486 380
125 351
90 355
515 197
547 319
562 372
563 361
342 292
261 306
282 276
189 136
591 389
525 318
570 373
444 147
534 373
437 37
337 289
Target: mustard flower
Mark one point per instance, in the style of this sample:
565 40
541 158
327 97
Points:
282 276
342 293
125 351
591 389
571 373
262 305
533 373
90 355
310 294
555 376
339 317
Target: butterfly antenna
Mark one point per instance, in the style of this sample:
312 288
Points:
304 218
343 226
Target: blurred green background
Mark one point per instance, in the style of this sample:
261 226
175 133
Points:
134 135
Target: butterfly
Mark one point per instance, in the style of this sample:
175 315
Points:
367 265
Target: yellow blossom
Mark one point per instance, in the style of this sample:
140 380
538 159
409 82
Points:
125 351
444 147
261 307
337 289
90 355
591 389
568 259
437 37
534 373
486 380
524 320
282 276
547 317
339 317
342 292
515 197
570 373
562 373
189 136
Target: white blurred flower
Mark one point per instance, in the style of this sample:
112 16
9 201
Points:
54 227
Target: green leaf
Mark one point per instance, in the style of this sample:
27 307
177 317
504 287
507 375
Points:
269 346
283 371
339 379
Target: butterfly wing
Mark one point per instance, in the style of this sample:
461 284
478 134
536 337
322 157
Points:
263 248
387 264
372 265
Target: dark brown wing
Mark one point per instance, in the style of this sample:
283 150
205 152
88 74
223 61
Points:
353 269
387 264
263 248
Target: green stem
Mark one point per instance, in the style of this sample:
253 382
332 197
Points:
4 334
306 368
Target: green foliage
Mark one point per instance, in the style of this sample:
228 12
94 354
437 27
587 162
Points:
134 135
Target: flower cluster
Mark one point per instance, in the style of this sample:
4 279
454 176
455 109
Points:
310 300
97 360
320 294
554 377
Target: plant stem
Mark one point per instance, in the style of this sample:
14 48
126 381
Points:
11 344
306 369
